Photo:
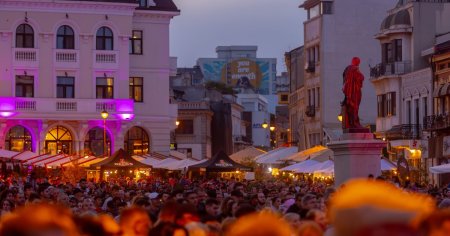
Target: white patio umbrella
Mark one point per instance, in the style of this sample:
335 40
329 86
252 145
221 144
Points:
441 169
299 165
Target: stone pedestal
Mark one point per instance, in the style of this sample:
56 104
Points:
356 155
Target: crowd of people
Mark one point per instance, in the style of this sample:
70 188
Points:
176 207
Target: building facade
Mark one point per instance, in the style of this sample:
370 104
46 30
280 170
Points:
332 37
64 62
404 83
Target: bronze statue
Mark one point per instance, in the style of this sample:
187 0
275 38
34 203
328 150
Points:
353 82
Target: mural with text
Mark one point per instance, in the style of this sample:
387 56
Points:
243 74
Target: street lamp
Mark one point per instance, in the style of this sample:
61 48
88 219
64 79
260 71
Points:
177 123
265 125
340 117
105 115
272 128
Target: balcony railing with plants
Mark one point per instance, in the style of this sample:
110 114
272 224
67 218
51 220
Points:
390 68
435 122
405 131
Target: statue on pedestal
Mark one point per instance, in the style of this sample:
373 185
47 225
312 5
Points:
353 82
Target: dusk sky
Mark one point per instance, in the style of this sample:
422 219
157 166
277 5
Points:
275 26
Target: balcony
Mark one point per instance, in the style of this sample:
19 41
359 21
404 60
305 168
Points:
310 111
193 106
391 68
25 57
410 131
42 108
436 122
106 59
66 58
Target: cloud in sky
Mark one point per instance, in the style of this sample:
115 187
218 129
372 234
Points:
275 26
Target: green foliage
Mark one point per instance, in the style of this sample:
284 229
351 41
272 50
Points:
220 87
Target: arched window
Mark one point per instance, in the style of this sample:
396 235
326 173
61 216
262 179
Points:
105 39
94 142
18 139
136 141
24 36
65 38
58 140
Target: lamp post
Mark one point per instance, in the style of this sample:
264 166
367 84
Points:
104 116
265 125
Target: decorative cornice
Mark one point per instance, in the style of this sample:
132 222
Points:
70 7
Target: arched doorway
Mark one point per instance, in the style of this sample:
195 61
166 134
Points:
94 142
18 139
136 141
58 140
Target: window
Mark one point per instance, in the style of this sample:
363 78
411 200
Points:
327 8
105 39
136 42
425 107
143 3
408 112
390 104
136 141
416 111
58 141
95 142
389 52
398 49
24 86
24 36
105 87
65 38
185 127
18 139
136 89
380 105
318 97
65 87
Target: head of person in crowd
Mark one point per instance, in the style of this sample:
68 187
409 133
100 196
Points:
20 199
7 206
309 228
357 209
259 224
445 203
39 220
168 229
63 200
110 225
89 226
293 219
309 201
276 203
244 209
192 198
212 207
135 221
168 212
187 213
237 195
319 217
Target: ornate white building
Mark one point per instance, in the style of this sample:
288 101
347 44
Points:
64 62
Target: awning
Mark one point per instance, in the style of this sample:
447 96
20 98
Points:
444 89
247 154
7 153
276 156
302 164
437 90
441 169
387 165
318 153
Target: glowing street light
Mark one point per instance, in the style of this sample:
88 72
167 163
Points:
177 123
105 115
272 128
265 125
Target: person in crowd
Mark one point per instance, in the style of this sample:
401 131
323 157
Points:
135 221
293 219
7 207
259 224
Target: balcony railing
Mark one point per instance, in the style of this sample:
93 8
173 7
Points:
409 131
435 122
106 59
193 106
25 57
391 68
66 55
41 107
